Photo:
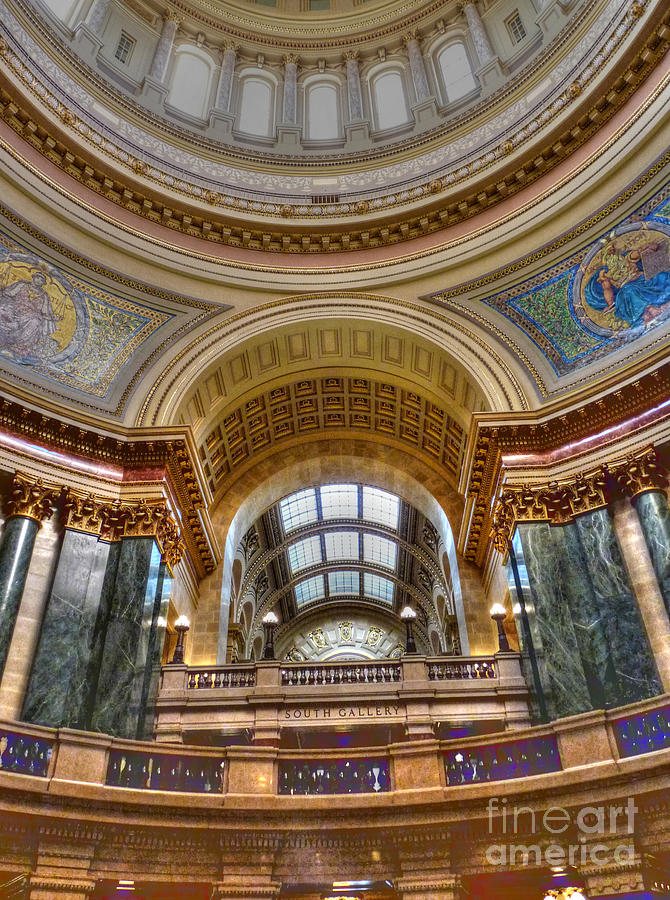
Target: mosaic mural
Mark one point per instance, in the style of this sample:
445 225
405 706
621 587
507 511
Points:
608 295
64 329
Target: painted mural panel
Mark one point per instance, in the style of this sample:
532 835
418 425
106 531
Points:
63 329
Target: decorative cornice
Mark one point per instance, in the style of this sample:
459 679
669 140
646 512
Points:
30 498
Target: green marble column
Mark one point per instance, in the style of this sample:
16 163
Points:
155 655
16 549
117 707
59 685
654 514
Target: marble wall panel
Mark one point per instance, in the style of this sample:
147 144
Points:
155 654
16 550
652 508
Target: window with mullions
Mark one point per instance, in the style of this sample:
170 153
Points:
344 583
341 545
310 589
298 509
304 553
124 48
339 501
378 587
380 507
379 550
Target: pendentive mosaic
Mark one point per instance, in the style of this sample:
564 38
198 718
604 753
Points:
611 293
64 329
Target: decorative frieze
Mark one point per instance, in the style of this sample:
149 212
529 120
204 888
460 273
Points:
30 498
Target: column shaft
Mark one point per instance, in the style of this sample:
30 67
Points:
654 515
480 38
418 69
290 107
161 59
225 88
643 578
16 548
97 15
354 88
155 654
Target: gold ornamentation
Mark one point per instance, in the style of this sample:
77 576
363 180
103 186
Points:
640 473
170 15
30 498
291 58
351 55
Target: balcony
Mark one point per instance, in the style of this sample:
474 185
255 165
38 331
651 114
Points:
412 698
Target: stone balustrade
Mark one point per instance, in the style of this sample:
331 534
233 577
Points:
415 692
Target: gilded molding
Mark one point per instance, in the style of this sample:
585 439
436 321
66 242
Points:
642 472
31 498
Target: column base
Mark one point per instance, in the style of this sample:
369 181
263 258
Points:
153 94
551 18
220 124
491 75
425 113
358 136
86 43
289 136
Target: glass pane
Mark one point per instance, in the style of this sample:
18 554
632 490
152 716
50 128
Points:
255 106
379 550
390 102
322 118
339 501
344 583
341 545
456 72
304 553
378 587
381 507
309 589
298 509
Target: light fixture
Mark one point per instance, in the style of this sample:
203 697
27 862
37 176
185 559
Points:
182 625
565 893
408 615
270 622
498 613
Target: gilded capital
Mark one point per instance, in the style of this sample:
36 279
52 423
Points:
640 472
170 15
351 55
410 36
29 497
291 58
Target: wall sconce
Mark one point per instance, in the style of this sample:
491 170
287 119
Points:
498 613
182 625
270 622
408 615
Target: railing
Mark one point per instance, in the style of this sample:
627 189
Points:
500 762
644 732
222 677
340 776
447 670
24 754
342 673
165 772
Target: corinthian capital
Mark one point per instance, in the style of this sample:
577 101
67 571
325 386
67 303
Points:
29 497
641 472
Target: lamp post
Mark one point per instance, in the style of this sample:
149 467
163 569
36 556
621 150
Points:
182 625
498 613
270 622
408 615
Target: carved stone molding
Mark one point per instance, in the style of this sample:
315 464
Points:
29 497
559 502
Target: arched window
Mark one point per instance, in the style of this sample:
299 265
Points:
457 77
389 100
191 79
256 106
322 115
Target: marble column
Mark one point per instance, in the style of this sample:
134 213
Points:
16 548
97 15
155 653
480 38
28 504
290 104
417 67
125 654
225 88
59 685
641 536
354 92
161 58
654 515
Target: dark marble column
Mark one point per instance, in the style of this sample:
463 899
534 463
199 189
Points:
155 654
59 685
16 548
125 655
654 514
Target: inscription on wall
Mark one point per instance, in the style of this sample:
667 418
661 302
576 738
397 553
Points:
362 711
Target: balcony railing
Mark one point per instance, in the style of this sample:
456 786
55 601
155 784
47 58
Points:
414 692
